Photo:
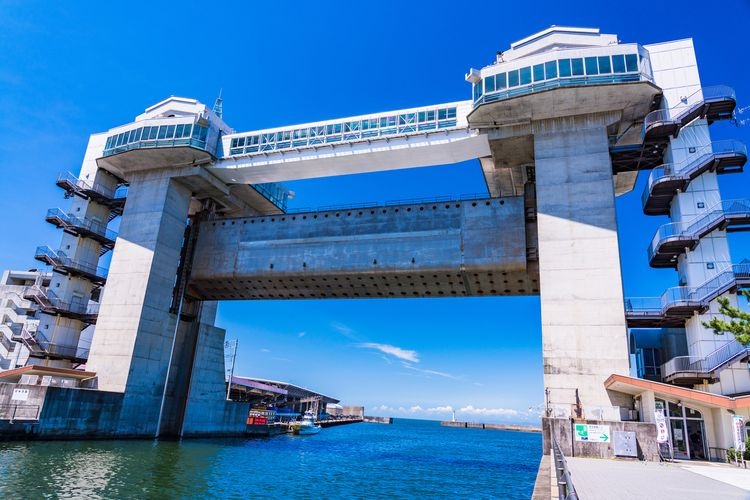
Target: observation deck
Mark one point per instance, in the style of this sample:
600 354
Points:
679 303
722 157
671 240
63 264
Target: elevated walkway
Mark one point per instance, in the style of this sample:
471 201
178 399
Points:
63 264
666 180
673 239
83 227
85 311
679 303
690 370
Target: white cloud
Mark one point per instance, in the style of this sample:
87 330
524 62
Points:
343 329
265 350
392 350
301 334
430 372
488 412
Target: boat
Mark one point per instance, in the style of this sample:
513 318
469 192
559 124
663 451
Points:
307 425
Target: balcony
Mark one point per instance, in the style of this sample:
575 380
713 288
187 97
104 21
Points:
49 303
40 347
690 370
82 227
671 240
666 180
679 303
713 103
63 264
113 198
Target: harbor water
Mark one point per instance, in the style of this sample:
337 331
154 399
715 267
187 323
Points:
408 459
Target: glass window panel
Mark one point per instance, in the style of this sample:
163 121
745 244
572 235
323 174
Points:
604 65
130 136
501 81
564 67
692 413
145 133
477 90
422 117
489 84
550 68
442 114
618 63
431 115
525 75
162 132
178 131
576 66
241 141
631 62
186 132
538 72
513 78
591 66
170 131
153 133
451 112
674 410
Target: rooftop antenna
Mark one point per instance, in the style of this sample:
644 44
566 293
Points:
218 108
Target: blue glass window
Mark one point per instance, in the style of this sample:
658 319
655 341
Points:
170 131
501 81
162 132
489 84
564 67
513 78
152 133
550 69
525 74
591 66
478 90
538 72
577 66
618 63
604 65
631 61
186 132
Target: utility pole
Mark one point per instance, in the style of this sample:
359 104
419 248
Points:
228 345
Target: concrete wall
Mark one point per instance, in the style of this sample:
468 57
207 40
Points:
584 336
562 429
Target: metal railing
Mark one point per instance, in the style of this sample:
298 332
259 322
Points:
39 345
49 301
118 193
692 164
565 488
681 296
687 105
12 412
59 259
89 225
274 192
702 224
706 365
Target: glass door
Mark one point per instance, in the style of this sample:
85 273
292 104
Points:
679 438
696 439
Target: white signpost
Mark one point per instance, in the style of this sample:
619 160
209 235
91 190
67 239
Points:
593 433
662 435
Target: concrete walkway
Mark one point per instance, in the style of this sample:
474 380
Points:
618 479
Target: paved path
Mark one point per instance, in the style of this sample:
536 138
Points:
618 479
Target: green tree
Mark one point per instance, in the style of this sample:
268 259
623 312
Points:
739 323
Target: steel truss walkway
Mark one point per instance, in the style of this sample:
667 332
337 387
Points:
673 239
690 370
679 303
723 157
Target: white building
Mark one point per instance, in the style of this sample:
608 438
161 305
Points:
19 316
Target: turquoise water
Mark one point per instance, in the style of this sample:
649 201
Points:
409 459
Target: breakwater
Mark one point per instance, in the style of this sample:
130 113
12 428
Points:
378 420
496 427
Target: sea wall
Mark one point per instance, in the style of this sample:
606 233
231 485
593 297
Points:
563 430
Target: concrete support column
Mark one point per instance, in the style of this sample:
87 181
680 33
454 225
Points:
583 320
131 349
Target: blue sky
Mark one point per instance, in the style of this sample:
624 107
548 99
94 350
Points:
74 68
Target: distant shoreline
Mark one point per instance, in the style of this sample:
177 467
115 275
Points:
496 427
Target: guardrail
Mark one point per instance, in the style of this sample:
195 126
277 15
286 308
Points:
565 488
20 412
687 105
89 225
705 365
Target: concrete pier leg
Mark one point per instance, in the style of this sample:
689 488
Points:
131 349
583 321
